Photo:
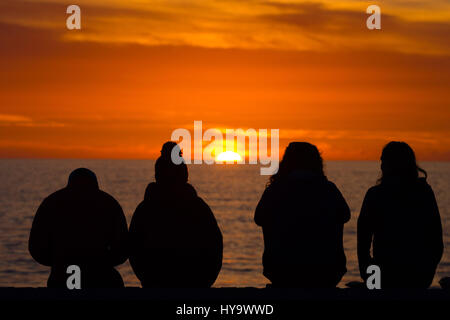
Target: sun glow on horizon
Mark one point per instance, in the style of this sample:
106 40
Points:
228 156
141 69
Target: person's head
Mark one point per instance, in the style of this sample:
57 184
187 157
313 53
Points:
82 179
399 161
167 148
299 156
167 172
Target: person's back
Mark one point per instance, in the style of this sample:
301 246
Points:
84 226
174 237
302 215
400 218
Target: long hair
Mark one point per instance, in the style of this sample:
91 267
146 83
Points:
302 156
398 160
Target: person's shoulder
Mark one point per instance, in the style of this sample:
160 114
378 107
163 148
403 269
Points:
192 197
374 191
275 186
422 182
151 188
424 186
191 190
203 210
55 196
330 184
375 188
106 197
140 209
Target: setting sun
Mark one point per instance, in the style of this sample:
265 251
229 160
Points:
138 74
229 156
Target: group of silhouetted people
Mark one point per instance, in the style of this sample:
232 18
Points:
174 239
302 215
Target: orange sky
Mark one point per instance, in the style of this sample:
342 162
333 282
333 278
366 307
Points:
137 70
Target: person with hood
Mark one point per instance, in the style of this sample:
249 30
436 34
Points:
302 215
83 226
174 237
400 220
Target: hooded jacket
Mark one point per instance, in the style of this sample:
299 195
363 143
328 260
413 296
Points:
174 238
84 226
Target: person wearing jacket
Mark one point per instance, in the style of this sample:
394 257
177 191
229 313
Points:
400 221
83 226
302 215
174 237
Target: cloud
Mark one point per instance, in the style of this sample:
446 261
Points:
346 28
428 137
23 121
12 118
117 83
320 25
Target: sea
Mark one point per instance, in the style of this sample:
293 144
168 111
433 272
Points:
232 191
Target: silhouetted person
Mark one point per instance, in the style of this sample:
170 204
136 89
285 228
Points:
80 225
174 237
302 215
400 219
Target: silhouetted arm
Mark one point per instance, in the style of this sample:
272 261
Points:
263 207
39 243
342 206
133 235
436 245
119 236
215 242
212 225
136 241
365 234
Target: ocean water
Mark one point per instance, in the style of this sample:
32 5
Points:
232 191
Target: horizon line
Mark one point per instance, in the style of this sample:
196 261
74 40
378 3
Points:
215 163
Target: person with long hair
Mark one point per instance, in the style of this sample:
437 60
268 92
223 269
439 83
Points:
175 240
400 221
302 215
